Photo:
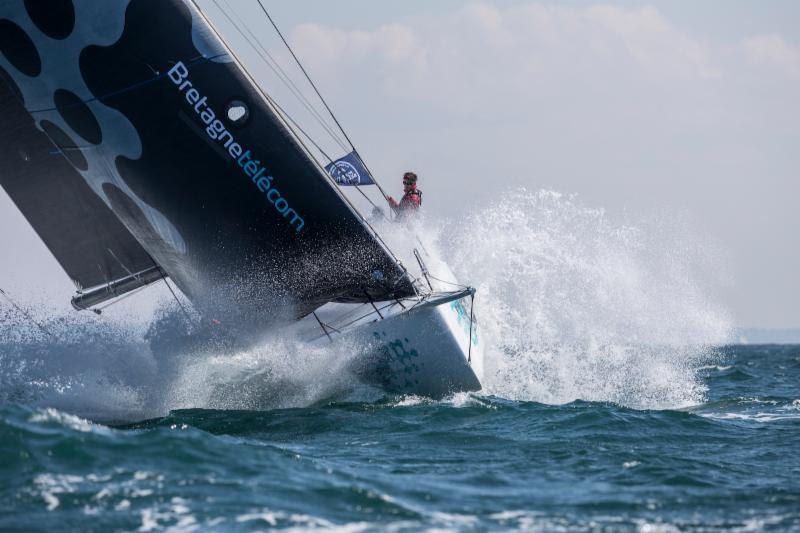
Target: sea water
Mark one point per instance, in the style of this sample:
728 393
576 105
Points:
612 400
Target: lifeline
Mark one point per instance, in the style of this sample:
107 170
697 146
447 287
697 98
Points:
217 131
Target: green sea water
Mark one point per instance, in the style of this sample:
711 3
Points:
611 401
470 462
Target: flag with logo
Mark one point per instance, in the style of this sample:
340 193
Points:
349 170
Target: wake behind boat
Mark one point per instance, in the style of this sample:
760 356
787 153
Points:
141 149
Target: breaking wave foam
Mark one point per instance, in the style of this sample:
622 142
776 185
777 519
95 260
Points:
118 372
570 306
574 306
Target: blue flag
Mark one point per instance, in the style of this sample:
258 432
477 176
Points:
349 170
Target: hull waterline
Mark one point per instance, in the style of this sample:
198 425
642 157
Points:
428 349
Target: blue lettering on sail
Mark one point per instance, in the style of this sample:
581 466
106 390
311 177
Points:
216 131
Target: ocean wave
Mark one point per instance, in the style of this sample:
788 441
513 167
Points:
571 306
577 306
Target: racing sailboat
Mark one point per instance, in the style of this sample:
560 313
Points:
140 148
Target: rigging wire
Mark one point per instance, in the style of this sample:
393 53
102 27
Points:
454 284
387 306
299 140
25 313
322 99
295 90
185 312
289 118
471 306
276 68
305 73
180 304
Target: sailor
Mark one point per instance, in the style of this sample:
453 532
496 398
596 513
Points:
412 199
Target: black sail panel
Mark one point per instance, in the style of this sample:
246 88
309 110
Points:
86 238
188 154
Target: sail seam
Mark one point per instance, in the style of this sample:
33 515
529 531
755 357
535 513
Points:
126 89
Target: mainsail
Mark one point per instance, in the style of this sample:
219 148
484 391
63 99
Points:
157 123
87 239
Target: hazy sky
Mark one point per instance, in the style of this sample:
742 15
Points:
681 107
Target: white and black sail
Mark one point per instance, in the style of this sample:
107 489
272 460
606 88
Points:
84 235
133 142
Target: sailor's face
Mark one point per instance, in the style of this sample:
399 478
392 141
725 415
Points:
408 185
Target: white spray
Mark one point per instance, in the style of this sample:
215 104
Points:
570 305
576 307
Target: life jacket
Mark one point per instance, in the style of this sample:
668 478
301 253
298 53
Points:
407 199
